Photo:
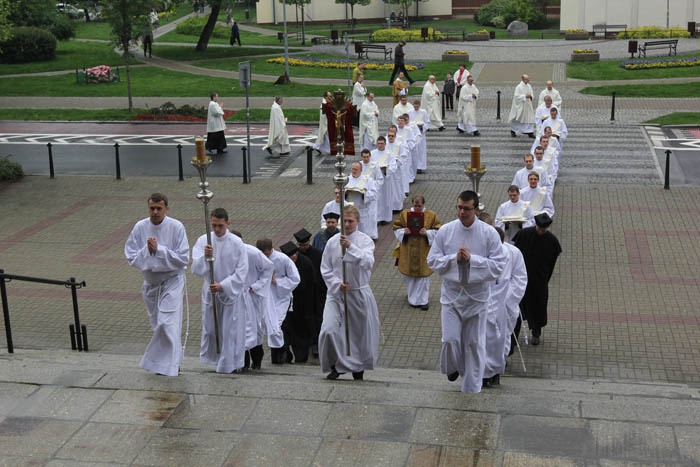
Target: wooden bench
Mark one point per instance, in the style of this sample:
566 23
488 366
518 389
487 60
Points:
363 50
447 33
669 44
609 31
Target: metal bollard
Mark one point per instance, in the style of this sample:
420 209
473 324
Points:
612 111
116 157
6 314
309 165
245 165
667 177
179 162
51 172
498 105
443 105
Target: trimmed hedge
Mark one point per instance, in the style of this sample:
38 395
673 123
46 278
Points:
62 28
654 32
10 171
28 44
396 34
193 27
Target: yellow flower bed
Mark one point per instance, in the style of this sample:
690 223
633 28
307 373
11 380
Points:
455 52
408 35
576 31
585 51
654 32
339 64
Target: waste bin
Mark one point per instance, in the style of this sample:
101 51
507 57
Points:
334 35
492 35
632 48
424 33
280 36
692 25
247 15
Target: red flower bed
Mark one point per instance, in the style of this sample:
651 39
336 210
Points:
149 117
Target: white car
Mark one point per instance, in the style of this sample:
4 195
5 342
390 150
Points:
69 10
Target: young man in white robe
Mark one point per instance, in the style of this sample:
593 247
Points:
277 137
542 114
520 179
227 255
369 122
430 101
254 299
467 254
322 144
399 109
387 165
522 113
285 278
406 137
461 78
514 215
419 119
371 169
355 251
157 246
503 310
547 159
400 155
466 108
538 196
216 126
558 126
331 206
361 191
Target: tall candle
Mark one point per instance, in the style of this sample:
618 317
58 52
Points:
199 148
476 156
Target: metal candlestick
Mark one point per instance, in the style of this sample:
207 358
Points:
202 164
339 107
475 175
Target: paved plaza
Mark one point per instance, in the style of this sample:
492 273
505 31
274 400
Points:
614 382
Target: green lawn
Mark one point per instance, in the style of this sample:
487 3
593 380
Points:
682 90
247 38
611 70
149 81
188 53
678 118
70 55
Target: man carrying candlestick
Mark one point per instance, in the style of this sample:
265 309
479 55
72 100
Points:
230 272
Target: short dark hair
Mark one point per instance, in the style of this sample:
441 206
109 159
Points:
264 244
514 188
213 95
501 233
366 151
381 138
158 197
220 213
469 195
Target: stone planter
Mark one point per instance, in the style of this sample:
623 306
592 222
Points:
591 57
462 58
477 37
576 36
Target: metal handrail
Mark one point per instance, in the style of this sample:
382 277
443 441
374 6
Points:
78 332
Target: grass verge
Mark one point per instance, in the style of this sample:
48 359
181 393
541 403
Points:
682 90
119 115
611 70
677 118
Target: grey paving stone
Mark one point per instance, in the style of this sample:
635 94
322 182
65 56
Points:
201 411
62 403
636 409
361 453
522 459
262 450
177 447
688 438
428 456
138 407
450 428
12 394
634 441
106 442
288 417
39 438
369 421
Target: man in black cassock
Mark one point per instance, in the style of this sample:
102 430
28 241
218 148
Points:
540 249
297 325
303 238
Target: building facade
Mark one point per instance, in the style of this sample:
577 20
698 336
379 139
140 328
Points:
583 14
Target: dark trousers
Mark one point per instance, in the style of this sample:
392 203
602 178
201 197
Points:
147 48
449 102
395 71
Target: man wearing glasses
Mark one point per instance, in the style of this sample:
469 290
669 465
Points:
467 254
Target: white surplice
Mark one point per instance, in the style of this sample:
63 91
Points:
430 101
277 137
466 108
522 113
286 278
256 293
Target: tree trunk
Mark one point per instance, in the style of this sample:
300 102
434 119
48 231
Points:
209 27
303 35
125 47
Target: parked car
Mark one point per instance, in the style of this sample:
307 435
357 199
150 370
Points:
69 10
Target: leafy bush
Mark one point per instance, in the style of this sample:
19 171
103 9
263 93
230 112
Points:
171 109
408 35
10 171
194 25
500 13
29 44
653 32
661 63
62 28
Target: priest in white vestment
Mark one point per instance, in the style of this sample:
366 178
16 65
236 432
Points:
522 113
401 108
400 155
430 101
277 137
355 251
557 124
322 144
538 196
419 119
369 122
514 215
520 179
387 165
230 264
550 92
466 108
361 191
157 246
467 254
503 311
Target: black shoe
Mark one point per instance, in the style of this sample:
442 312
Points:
333 375
425 307
535 340
358 375
269 151
531 135
496 380
453 376
460 130
512 133
442 128
476 133
286 153
486 383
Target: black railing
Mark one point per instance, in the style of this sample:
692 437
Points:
78 332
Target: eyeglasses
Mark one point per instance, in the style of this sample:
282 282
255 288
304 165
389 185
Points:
464 208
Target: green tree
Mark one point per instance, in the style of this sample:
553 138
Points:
128 19
352 4
204 37
403 4
299 4
5 23
39 13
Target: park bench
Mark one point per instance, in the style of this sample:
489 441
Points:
669 44
448 33
363 50
608 31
